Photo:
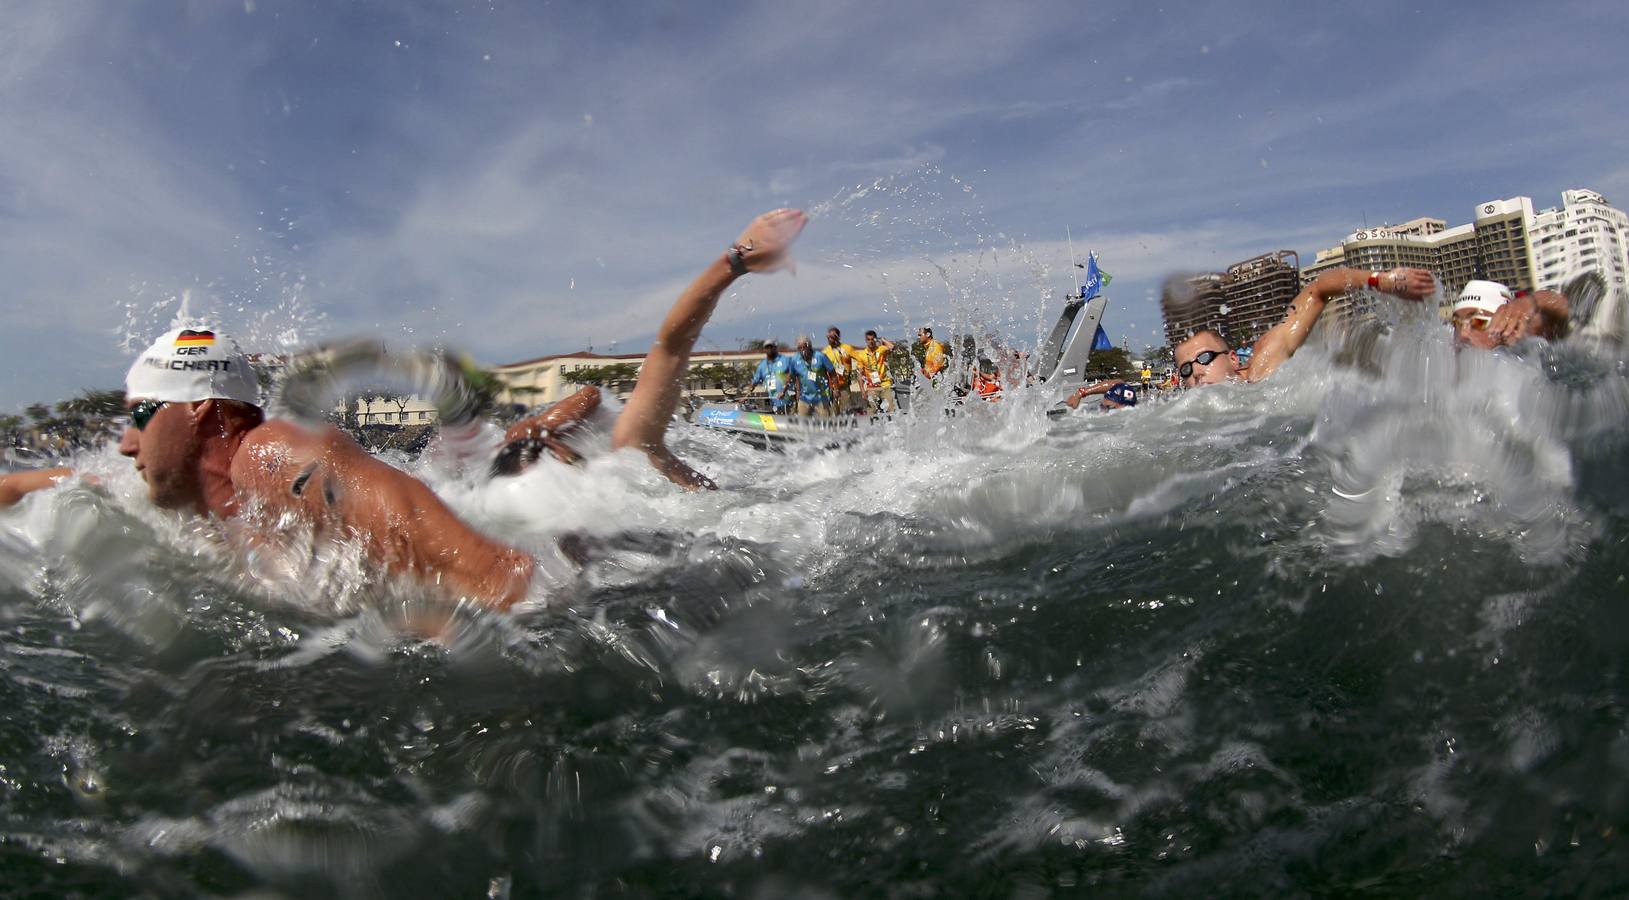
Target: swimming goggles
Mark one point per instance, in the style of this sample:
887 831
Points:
1205 358
143 412
1474 323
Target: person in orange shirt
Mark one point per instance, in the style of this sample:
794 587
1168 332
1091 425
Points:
875 380
845 386
935 355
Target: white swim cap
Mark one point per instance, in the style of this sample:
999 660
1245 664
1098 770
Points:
192 363
1485 296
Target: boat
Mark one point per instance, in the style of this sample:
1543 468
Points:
768 429
1062 357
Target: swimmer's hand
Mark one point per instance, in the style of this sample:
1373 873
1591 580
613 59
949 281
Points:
765 244
680 473
1515 321
1410 284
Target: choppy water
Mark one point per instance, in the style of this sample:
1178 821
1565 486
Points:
1343 632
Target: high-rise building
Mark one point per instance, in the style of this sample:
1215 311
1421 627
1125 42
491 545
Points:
1585 234
1497 245
1194 304
1258 291
1240 303
1456 257
1503 242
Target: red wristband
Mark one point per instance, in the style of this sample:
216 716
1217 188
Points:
1374 280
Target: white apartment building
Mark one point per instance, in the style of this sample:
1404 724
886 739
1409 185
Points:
1586 234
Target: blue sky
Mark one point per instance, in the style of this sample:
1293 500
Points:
515 179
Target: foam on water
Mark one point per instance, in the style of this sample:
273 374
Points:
1358 619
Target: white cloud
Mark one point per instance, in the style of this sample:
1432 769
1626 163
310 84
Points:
517 181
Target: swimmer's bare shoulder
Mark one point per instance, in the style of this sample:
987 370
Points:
325 478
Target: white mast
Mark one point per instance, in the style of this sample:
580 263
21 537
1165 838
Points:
1073 286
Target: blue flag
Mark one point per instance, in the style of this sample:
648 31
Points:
1101 341
1094 278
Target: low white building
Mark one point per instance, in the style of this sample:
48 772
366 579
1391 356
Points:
391 410
544 380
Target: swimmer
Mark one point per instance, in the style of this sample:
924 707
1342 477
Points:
200 440
1488 315
1206 358
1115 394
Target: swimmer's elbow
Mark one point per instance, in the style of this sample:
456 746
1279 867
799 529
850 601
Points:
512 579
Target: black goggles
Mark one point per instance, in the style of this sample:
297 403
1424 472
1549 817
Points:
1205 358
143 412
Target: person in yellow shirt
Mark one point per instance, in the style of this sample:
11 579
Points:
845 385
935 355
875 382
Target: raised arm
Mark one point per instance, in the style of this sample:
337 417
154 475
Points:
1283 339
17 485
644 420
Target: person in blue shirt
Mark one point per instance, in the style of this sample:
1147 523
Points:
814 371
775 374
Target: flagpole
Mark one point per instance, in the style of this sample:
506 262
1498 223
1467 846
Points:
1072 264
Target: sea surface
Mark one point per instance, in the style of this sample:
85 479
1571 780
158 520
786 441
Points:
1362 629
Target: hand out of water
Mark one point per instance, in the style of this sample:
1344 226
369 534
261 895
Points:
1513 321
1412 284
770 237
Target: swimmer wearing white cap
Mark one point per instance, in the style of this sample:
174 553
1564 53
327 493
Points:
201 442
1488 315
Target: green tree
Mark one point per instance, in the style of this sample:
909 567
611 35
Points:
39 412
94 403
1112 363
605 376
734 379
902 366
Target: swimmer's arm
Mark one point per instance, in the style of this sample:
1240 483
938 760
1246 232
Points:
1073 400
328 480
1283 339
559 419
1555 313
644 420
17 485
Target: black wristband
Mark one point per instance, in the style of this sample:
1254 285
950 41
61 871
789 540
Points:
738 262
